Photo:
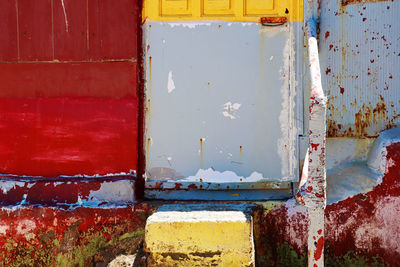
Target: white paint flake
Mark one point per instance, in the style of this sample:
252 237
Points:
171 84
3 229
25 226
6 186
286 144
231 109
190 25
65 16
114 193
212 176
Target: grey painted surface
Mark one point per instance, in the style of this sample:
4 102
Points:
240 195
360 62
195 70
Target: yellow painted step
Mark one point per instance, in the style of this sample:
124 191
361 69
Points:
184 236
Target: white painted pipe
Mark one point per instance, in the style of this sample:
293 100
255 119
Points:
312 186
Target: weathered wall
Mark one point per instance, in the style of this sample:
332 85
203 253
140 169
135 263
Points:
69 102
360 53
359 231
68 87
34 236
221 90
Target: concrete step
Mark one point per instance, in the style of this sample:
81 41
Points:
201 235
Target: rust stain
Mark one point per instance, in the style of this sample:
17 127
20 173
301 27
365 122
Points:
201 153
366 117
328 70
192 186
150 68
148 147
273 20
148 110
352 2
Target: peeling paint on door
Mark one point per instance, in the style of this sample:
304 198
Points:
232 86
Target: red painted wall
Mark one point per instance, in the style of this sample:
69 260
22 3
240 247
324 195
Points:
68 87
39 236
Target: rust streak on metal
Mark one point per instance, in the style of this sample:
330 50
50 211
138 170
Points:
364 119
352 2
148 147
273 20
201 153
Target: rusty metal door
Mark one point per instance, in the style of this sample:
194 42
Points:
220 108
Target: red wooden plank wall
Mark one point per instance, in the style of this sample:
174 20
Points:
70 30
8 31
68 87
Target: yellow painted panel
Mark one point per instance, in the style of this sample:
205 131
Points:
218 7
224 238
259 7
227 10
175 7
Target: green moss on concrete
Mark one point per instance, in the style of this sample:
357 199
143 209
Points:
270 205
82 254
353 259
14 254
137 233
288 257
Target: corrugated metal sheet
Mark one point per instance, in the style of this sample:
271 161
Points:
360 57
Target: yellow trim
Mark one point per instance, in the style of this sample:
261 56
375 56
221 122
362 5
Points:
225 10
226 241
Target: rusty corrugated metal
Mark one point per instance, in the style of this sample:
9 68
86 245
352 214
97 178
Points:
360 57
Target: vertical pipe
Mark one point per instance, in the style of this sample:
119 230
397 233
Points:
315 237
312 186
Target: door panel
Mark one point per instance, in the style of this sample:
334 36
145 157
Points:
219 103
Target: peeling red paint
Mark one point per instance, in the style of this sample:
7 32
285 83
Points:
54 192
192 186
178 186
362 224
328 70
315 146
34 226
48 193
319 250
